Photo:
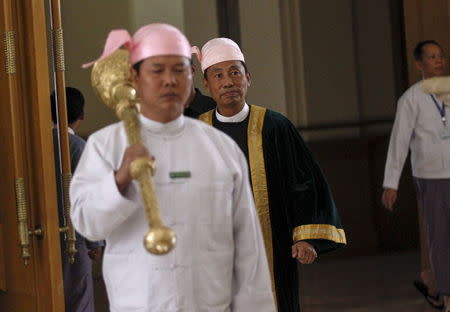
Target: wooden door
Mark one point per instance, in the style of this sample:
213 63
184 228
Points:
27 187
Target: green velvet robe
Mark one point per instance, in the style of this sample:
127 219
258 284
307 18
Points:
293 199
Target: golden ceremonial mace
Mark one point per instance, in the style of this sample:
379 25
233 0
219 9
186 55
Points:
110 79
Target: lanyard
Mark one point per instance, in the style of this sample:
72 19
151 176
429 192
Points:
440 109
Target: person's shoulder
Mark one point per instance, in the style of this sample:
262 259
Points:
274 120
105 133
76 139
202 103
76 142
275 116
412 92
203 129
209 101
201 126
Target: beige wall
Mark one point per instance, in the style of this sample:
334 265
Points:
154 11
85 31
262 47
375 62
342 73
347 67
329 61
200 25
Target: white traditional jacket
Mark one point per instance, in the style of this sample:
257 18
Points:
418 127
202 186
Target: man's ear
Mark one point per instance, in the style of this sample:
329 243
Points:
206 85
249 78
419 66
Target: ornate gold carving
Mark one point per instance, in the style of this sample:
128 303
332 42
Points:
10 52
58 47
22 220
110 79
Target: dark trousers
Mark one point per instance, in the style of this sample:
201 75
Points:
434 198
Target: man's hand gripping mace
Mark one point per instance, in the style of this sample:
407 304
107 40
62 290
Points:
110 79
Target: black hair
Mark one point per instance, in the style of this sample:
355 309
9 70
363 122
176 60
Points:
418 50
243 64
75 105
137 66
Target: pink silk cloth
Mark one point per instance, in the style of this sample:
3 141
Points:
218 50
149 40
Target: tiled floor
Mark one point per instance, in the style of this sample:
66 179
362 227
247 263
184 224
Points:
360 284
365 284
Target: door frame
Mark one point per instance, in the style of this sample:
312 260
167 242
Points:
28 140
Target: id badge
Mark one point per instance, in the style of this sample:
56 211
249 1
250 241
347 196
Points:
445 133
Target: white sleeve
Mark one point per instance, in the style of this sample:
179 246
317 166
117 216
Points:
402 131
97 206
252 288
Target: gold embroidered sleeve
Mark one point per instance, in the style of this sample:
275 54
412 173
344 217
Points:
319 231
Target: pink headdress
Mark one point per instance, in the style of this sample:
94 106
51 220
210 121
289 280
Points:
150 40
218 50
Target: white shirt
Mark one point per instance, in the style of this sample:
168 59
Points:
235 118
219 261
417 126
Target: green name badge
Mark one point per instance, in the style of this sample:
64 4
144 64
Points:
180 174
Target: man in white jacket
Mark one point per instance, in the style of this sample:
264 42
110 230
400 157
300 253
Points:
202 187
421 125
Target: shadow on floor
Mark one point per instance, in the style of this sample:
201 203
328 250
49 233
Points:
381 283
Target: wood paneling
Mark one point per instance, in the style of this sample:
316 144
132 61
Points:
2 261
27 152
41 162
354 169
425 20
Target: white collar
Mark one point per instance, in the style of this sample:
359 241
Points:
235 118
70 130
170 128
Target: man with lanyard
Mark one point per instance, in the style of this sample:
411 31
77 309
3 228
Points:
421 125
201 184
295 206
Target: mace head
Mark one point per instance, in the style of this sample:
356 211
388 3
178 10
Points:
111 79
160 240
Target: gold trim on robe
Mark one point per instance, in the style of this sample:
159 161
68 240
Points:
258 176
207 117
259 181
319 231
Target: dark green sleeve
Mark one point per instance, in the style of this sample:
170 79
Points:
308 203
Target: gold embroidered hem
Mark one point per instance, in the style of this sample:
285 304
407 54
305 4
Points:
258 177
319 231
